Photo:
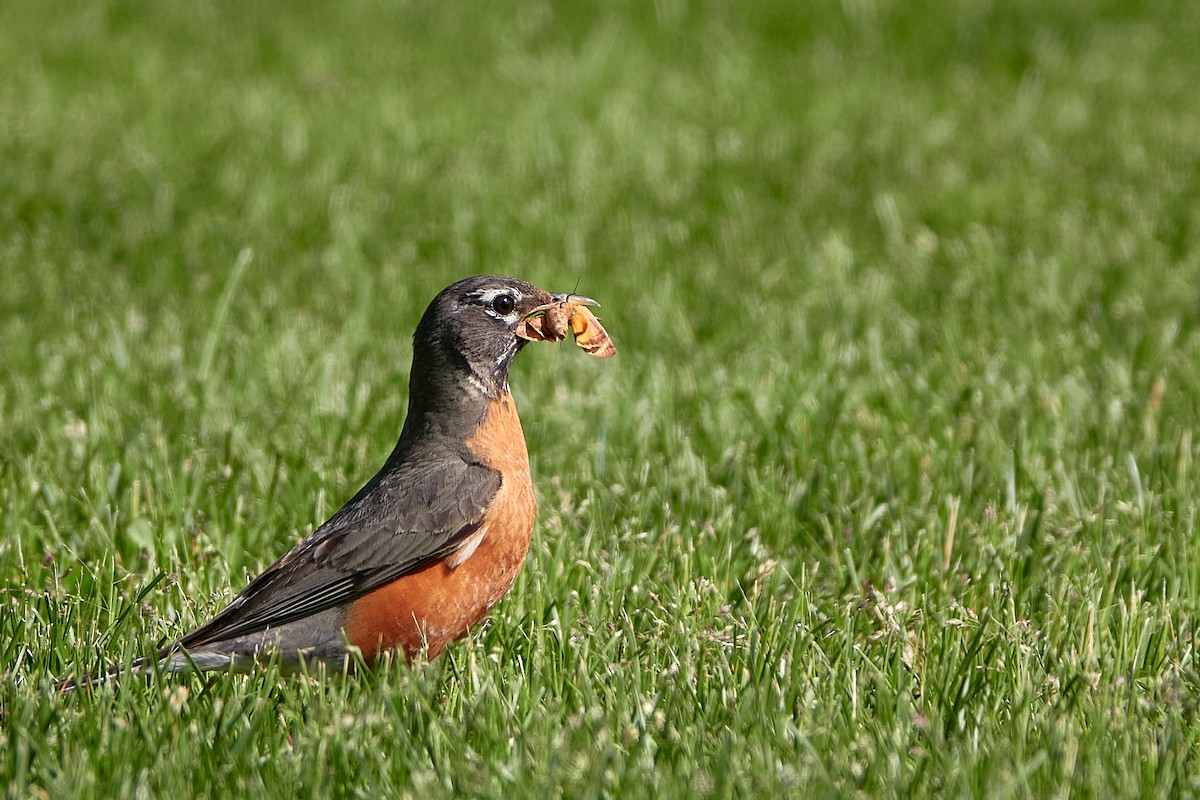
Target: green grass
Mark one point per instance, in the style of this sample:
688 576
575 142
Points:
891 489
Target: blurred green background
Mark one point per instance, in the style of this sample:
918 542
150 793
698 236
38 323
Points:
891 488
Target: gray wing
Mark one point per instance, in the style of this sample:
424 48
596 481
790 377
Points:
405 518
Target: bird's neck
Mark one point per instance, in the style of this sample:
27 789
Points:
449 397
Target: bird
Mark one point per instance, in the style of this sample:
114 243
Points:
430 544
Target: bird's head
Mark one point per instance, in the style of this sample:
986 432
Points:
473 329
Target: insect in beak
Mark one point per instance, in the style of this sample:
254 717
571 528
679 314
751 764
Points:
568 312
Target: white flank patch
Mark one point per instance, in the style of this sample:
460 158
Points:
469 545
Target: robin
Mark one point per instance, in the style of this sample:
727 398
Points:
431 543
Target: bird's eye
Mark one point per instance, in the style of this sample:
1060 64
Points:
503 304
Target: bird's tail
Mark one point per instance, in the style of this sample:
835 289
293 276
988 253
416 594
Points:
169 659
88 682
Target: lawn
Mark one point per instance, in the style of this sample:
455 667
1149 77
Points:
891 490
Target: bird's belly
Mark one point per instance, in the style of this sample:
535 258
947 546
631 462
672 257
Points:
423 612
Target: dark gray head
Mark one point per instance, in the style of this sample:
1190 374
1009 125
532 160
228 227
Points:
468 338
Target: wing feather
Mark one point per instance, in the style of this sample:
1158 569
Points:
411 514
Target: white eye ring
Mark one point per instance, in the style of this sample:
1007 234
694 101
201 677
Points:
499 302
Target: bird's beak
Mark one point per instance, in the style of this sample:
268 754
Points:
574 299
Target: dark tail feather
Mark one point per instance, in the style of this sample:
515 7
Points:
87 683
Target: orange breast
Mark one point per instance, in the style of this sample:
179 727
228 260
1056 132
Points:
426 610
